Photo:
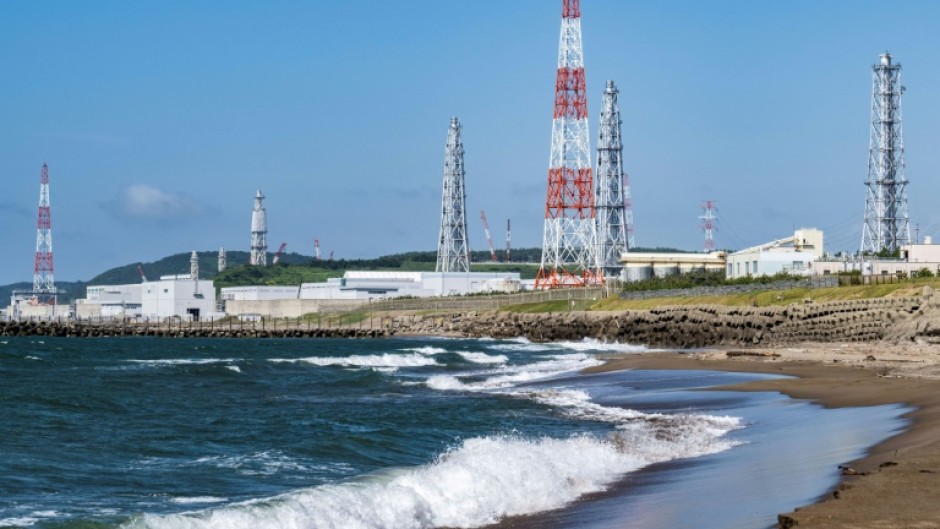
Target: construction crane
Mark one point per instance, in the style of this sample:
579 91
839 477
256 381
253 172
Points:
331 255
316 245
508 239
140 270
489 238
277 256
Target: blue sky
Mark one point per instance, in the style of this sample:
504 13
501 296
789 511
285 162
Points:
159 120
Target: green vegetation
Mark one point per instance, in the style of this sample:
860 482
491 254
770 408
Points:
552 306
703 279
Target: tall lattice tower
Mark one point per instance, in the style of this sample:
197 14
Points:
259 232
569 246
708 217
453 250
887 226
43 267
609 189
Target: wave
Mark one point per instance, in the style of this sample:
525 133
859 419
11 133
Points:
383 360
426 350
483 358
185 361
587 344
198 499
476 483
507 377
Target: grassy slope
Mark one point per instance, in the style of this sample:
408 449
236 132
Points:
761 299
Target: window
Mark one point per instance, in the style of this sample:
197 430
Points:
755 267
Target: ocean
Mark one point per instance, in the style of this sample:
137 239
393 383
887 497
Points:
399 433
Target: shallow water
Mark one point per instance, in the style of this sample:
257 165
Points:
396 433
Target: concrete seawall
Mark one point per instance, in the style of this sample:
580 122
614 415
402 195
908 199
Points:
915 318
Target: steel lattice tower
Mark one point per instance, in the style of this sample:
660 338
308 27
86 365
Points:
708 224
887 226
43 266
453 250
569 246
609 193
259 232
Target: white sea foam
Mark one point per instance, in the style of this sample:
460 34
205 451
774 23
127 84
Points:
587 344
510 376
185 361
198 499
483 358
28 520
383 360
234 368
256 464
426 350
474 484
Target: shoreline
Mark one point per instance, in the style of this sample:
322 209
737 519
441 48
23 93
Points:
897 482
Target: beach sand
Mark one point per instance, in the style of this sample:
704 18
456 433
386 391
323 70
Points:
897 485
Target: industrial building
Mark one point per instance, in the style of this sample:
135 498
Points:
789 255
639 266
182 296
357 288
913 258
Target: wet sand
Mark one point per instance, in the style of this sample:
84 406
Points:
897 485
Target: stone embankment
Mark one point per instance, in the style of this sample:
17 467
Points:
898 319
914 318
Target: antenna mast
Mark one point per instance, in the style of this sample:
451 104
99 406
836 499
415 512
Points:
609 192
708 223
43 266
453 253
887 226
569 245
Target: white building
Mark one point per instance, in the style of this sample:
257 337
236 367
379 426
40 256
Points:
913 258
110 301
378 285
175 296
178 296
791 255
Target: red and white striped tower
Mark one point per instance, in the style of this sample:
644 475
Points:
708 223
43 276
569 246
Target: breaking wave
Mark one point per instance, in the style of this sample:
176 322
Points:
383 360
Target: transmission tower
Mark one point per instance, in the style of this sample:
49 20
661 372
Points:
43 267
609 188
569 246
259 232
887 226
453 251
709 216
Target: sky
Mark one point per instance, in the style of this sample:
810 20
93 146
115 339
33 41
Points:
160 120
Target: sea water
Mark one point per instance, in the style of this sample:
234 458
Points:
396 433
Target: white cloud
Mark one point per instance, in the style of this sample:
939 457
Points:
147 204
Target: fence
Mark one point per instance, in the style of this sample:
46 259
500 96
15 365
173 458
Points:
488 302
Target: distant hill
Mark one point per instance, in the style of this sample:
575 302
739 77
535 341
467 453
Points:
179 264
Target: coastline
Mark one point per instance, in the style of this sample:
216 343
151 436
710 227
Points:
896 484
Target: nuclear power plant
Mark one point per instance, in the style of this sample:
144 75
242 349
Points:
587 230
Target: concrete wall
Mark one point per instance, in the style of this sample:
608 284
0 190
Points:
287 308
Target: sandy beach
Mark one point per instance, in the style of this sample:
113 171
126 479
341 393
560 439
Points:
897 485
